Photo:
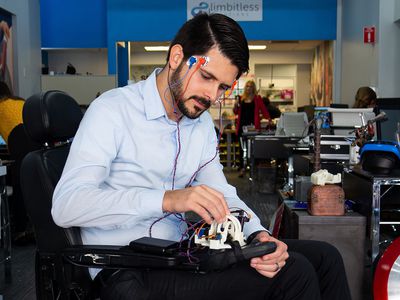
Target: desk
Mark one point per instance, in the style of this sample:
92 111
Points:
368 192
346 233
246 144
230 149
293 148
5 230
277 147
221 124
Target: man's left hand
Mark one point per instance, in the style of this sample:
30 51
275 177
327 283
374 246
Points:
270 264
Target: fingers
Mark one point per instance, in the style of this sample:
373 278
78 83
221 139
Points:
269 265
213 202
203 213
268 269
208 203
279 254
220 197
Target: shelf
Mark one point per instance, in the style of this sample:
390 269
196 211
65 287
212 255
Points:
282 101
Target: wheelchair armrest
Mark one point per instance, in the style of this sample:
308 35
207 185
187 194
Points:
121 257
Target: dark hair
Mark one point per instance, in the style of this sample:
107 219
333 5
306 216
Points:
198 35
365 97
4 90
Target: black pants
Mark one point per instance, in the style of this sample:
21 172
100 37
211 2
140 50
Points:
314 271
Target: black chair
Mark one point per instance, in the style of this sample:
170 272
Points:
50 119
19 145
61 263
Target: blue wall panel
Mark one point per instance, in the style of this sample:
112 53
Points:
73 23
101 23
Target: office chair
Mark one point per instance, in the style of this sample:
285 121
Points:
50 119
19 145
61 261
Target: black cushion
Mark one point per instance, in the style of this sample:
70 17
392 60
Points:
51 117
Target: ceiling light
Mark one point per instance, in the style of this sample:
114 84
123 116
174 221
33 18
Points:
156 48
257 47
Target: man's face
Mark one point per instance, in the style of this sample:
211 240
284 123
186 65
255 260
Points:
202 86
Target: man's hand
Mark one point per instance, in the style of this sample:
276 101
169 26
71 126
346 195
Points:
208 203
270 264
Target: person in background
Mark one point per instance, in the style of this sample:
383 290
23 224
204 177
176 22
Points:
248 108
10 117
5 35
365 98
147 153
274 112
10 110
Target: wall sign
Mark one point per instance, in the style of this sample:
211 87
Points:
239 10
369 35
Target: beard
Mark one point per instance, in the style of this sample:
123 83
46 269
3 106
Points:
182 103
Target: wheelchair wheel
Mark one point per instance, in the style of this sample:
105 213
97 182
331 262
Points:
386 285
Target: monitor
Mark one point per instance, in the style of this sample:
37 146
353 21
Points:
345 120
308 109
2 141
339 105
292 124
386 130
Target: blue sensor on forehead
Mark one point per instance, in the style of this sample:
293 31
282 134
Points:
191 61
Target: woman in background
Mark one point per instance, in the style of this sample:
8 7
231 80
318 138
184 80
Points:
248 108
10 111
19 144
365 98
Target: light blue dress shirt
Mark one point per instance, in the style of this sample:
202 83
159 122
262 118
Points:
121 163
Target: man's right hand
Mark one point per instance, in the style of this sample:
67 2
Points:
208 203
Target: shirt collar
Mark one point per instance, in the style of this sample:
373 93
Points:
153 104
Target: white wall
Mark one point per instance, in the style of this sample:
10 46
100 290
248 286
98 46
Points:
389 50
27 56
378 64
359 61
93 61
82 88
148 58
303 86
397 11
256 57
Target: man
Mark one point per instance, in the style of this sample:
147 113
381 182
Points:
149 149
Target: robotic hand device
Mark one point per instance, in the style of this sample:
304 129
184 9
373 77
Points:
217 247
216 236
226 243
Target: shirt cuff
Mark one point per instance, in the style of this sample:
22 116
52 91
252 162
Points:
253 226
151 202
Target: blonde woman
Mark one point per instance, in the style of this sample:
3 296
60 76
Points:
248 109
